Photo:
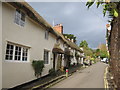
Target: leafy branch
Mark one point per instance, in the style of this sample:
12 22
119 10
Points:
111 7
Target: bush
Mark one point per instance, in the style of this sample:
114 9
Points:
38 67
52 72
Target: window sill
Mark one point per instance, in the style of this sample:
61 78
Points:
13 61
47 64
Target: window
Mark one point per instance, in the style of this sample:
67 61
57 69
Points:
46 34
16 53
9 52
24 54
46 57
20 18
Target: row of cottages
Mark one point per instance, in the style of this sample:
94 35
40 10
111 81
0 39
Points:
26 36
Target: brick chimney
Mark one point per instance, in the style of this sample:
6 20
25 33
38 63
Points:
59 28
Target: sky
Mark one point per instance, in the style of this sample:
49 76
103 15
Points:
76 18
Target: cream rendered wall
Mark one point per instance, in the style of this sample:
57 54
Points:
63 48
32 35
0 45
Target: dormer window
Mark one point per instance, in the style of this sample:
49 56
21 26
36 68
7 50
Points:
46 35
19 18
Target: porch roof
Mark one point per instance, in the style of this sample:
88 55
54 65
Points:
57 49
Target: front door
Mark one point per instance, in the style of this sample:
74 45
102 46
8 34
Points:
59 61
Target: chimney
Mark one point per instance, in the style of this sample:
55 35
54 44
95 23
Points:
59 28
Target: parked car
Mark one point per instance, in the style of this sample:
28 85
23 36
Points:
105 60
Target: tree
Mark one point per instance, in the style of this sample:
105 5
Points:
70 36
111 7
102 51
84 43
88 51
114 41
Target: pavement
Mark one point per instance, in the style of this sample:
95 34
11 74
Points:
90 77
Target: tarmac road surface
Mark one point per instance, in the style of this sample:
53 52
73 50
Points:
90 77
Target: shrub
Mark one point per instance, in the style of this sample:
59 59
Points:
38 67
52 72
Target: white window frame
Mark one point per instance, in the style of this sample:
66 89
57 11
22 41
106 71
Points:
18 16
46 35
48 57
9 49
13 57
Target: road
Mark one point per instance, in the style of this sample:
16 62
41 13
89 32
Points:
90 77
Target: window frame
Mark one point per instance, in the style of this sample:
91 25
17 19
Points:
13 59
47 58
20 17
46 35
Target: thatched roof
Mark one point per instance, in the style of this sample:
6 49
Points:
68 52
57 49
38 19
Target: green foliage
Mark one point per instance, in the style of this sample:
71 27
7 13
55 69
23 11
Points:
70 36
111 7
84 44
102 53
87 51
92 59
97 53
52 72
90 3
38 67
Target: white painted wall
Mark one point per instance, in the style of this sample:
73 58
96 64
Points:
0 45
32 35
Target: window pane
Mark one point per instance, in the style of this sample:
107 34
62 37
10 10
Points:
17 53
16 48
46 58
7 56
11 46
8 46
11 57
19 18
15 57
24 54
18 58
22 16
9 52
46 34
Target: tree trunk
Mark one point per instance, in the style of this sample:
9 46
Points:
115 49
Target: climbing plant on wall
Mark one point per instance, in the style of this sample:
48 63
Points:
38 66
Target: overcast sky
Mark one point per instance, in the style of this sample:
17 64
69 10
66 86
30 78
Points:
89 25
